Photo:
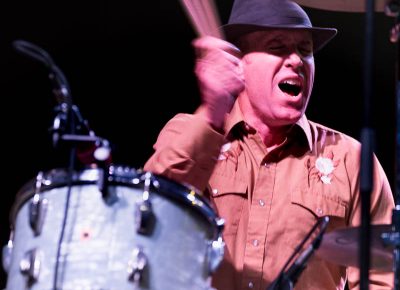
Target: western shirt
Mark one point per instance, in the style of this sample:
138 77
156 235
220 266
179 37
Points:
271 199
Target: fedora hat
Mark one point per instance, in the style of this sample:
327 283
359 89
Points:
254 15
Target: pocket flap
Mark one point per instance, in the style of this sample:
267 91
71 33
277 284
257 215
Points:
319 204
221 185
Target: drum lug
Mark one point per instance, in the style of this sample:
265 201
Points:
6 255
109 194
30 266
144 218
37 213
38 207
216 247
215 254
137 266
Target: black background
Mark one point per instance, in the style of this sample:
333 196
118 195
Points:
129 65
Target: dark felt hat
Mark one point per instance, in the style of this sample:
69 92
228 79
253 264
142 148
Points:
254 15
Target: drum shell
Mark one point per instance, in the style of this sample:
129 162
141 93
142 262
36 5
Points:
100 239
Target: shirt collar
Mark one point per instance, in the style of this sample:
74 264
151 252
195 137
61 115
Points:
235 118
305 126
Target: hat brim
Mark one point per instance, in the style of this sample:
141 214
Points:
320 35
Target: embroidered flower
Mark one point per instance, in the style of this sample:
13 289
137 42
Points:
224 151
326 179
325 167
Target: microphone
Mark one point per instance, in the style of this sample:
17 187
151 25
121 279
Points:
287 279
103 151
91 149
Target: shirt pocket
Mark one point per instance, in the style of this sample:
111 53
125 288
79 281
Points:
229 196
319 204
306 207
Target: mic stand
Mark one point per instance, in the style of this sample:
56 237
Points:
67 126
287 279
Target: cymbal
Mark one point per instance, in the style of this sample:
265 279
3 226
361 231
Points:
342 5
341 247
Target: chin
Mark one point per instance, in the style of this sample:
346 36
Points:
291 116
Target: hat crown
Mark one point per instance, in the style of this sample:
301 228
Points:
252 15
268 13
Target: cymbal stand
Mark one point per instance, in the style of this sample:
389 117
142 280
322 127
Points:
392 8
367 148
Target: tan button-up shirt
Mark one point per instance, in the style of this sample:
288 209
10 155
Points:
271 200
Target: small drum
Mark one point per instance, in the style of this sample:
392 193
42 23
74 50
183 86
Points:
118 229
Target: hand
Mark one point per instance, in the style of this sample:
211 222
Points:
219 72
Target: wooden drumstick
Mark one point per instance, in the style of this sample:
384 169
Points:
203 16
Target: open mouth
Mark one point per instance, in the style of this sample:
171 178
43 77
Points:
291 87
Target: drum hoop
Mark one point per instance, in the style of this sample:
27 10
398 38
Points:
120 175
189 195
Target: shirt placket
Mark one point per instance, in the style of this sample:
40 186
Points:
259 216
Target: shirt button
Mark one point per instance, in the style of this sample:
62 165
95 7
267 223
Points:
251 285
215 191
255 243
267 164
261 202
320 211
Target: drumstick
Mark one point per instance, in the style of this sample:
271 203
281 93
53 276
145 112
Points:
203 16
211 17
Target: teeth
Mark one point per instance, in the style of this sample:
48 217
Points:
292 82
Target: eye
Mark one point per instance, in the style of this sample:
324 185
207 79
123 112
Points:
276 48
306 50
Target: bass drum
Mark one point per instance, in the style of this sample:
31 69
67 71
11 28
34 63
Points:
117 229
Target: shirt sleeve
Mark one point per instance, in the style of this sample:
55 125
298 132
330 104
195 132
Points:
186 151
382 205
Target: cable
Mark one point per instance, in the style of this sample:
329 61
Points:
55 74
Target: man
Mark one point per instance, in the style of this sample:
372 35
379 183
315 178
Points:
269 171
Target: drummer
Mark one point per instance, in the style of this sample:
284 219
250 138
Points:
269 171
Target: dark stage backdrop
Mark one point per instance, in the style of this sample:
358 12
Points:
129 65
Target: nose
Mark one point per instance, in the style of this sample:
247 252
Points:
294 59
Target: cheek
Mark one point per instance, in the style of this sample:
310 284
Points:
310 72
257 72
310 83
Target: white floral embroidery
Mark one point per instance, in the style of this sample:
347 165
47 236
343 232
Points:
326 179
224 149
325 167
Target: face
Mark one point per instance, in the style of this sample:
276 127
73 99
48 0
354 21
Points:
278 67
